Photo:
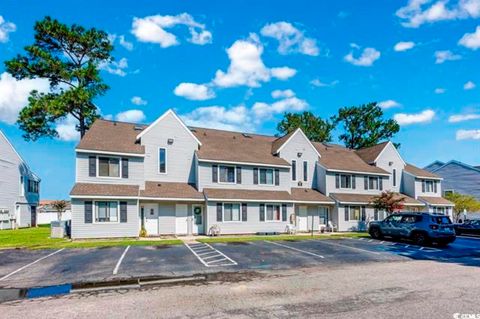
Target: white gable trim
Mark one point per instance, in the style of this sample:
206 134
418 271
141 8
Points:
82 150
391 144
295 133
169 111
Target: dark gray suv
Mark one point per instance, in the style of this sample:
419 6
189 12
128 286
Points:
421 228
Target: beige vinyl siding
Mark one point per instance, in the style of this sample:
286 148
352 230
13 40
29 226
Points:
298 144
104 230
180 154
359 183
253 223
205 178
135 170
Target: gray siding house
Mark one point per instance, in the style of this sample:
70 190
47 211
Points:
168 178
457 177
19 189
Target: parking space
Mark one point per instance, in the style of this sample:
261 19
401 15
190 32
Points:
23 268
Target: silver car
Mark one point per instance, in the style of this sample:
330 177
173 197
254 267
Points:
421 228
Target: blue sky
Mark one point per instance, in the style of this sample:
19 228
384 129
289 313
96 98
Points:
241 64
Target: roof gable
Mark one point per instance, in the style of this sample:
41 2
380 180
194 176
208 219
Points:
458 163
164 115
25 169
420 173
283 141
371 153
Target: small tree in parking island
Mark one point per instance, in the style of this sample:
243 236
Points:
388 201
364 126
59 206
315 128
68 57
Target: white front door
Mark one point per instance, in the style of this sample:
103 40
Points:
181 219
151 219
302 218
198 220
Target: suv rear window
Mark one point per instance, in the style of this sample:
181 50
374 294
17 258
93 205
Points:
441 220
410 219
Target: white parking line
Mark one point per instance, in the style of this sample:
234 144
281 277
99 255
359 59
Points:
30 264
296 249
354 248
206 249
115 270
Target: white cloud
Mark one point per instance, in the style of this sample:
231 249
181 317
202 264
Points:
366 58
468 135
114 67
319 83
425 116
121 40
463 117
469 85
6 28
471 40
277 94
439 91
418 12
14 95
290 39
137 100
66 129
446 55
404 46
263 110
388 104
234 118
153 29
192 91
246 66
131 116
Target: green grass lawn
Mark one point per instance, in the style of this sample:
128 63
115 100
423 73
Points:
39 238
246 238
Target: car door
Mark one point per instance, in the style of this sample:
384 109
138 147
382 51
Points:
389 225
406 225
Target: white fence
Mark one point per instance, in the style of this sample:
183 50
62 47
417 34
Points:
47 218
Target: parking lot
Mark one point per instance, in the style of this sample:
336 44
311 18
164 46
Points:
30 268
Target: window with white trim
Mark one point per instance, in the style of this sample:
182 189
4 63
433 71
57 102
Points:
231 212
373 182
226 174
162 160
294 170
273 213
109 167
394 174
32 186
106 212
429 186
346 181
266 176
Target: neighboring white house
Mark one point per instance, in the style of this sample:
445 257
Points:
172 179
46 213
19 189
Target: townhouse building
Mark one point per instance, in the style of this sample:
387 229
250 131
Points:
19 189
170 179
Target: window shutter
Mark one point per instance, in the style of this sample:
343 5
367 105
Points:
423 186
337 181
255 176
365 182
380 183
346 213
354 182
124 167
277 176
239 174
92 166
244 212
435 186
88 212
284 212
219 212
262 212
215 173
364 213
123 212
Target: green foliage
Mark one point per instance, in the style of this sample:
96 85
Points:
364 126
316 129
59 206
68 56
388 201
463 203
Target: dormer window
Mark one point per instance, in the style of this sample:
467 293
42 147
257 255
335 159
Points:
108 167
429 186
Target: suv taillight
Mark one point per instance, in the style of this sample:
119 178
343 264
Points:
434 227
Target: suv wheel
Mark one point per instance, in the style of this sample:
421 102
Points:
420 238
375 233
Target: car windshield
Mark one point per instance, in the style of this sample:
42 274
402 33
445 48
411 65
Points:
441 220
